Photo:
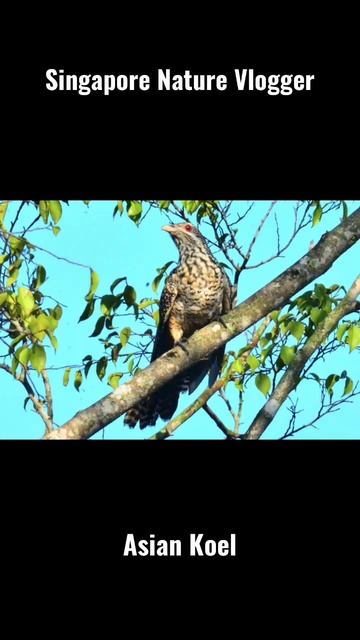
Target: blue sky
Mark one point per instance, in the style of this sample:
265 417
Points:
116 248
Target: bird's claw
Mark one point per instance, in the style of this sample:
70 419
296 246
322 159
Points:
181 344
222 322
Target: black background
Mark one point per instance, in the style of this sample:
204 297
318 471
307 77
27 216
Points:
73 502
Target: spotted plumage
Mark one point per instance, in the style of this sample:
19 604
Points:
196 293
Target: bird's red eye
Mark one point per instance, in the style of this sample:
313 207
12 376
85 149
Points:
188 227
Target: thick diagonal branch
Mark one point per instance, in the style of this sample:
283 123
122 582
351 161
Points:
291 377
204 342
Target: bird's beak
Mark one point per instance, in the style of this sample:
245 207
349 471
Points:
169 229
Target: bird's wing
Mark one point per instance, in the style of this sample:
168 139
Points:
163 339
229 298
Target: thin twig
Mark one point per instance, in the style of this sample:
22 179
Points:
48 394
232 435
175 423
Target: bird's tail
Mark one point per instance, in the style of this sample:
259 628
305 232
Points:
143 413
164 402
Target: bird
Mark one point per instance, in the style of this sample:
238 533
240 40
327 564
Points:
195 293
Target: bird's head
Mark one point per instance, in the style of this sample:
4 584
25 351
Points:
184 235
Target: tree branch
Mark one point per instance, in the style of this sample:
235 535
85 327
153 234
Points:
48 395
291 377
37 404
231 435
204 342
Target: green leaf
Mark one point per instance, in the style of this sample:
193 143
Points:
316 377
107 304
40 276
345 209
191 205
26 301
87 367
108 322
161 273
53 323
57 312
236 367
78 379
23 354
134 211
115 353
349 385
341 330
263 341
44 210
89 362
119 208
320 292
14 365
55 209
3 298
53 339
94 283
56 230
317 215
113 380
38 326
287 354
98 327
14 276
156 316
115 283
354 337
263 383
4 258
266 352
124 336
129 295
164 204
274 315
252 362
297 329
16 341
317 315
3 208
146 302
155 283
131 364
17 244
38 357
101 367
66 376
330 382
88 311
